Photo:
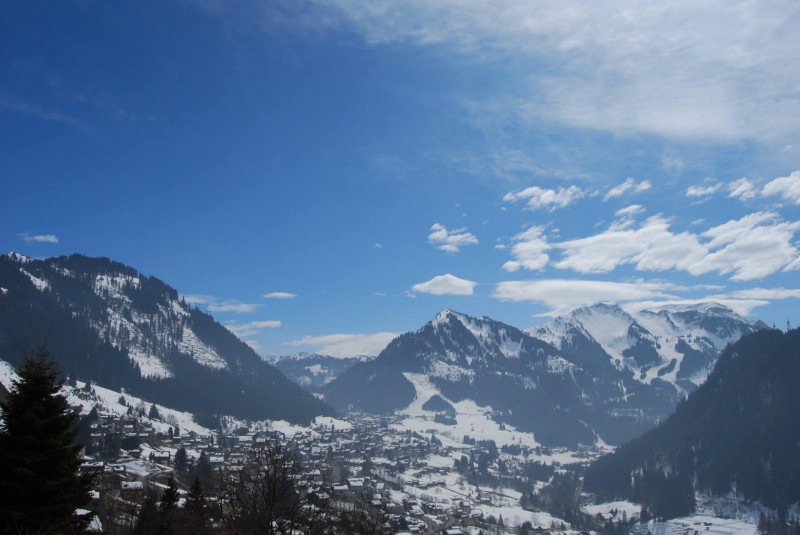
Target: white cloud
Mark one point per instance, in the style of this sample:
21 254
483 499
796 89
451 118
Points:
529 250
445 285
742 189
378 246
628 185
280 295
703 191
630 211
652 247
252 328
236 308
561 296
753 247
450 241
39 238
788 187
549 199
346 345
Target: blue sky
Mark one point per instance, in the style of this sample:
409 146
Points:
322 174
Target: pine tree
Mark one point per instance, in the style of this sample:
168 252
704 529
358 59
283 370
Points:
39 459
195 514
181 460
204 470
167 506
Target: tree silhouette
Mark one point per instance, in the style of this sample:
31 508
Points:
39 458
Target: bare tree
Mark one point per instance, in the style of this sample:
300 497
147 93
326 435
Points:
269 495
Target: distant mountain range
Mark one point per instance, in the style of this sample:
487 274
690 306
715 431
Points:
600 373
678 344
312 371
596 374
107 323
737 432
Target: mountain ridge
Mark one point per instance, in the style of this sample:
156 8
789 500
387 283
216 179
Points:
736 432
568 397
677 344
106 322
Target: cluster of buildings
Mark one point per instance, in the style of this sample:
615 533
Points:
410 480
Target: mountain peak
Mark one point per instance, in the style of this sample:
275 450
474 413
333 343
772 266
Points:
445 316
16 257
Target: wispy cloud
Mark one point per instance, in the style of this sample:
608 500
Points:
38 238
346 345
214 304
672 163
236 308
549 199
683 70
628 185
198 299
280 295
742 189
445 285
630 211
703 191
15 105
246 330
450 241
561 296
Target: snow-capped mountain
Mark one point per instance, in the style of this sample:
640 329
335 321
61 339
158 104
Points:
678 344
105 322
528 383
312 370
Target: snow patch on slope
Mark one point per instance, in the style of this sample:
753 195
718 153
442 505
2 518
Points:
609 326
149 366
40 284
113 286
190 344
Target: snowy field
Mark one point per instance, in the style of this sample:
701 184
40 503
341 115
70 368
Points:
476 421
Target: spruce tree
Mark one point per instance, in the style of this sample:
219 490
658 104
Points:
39 459
195 518
167 506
